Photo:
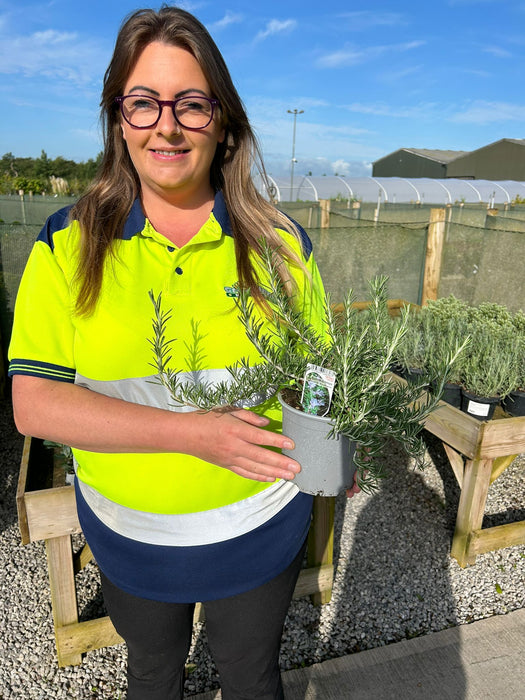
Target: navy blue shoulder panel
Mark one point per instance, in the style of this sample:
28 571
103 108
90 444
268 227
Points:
135 222
305 239
56 222
60 220
220 212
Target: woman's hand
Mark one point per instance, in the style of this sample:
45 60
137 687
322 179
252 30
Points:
234 439
354 488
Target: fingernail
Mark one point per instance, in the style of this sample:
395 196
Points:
288 445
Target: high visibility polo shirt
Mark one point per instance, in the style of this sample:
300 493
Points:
160 499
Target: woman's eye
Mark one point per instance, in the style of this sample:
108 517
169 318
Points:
143 104
193 105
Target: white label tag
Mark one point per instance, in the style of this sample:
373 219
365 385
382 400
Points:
478 409
318 388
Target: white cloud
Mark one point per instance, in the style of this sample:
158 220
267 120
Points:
228 19
497 52
424 110
53 54
280 167
365 19
484 112
391 76
351 56
477 73
276 26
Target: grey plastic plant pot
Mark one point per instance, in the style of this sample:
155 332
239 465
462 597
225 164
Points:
327 464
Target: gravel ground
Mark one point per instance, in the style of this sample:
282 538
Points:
395 580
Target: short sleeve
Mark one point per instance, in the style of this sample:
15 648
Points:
42 340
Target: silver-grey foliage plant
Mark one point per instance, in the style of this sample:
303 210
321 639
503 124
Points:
369 405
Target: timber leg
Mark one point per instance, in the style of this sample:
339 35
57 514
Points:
321 541
63 592
476 481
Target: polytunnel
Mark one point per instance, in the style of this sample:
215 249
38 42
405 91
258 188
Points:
394 190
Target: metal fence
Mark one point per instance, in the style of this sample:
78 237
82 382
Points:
482 258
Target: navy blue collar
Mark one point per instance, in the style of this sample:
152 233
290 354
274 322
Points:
137 220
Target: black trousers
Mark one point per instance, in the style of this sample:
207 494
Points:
244 635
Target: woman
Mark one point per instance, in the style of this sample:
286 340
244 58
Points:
178 506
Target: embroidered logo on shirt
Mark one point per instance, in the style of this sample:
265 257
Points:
232 291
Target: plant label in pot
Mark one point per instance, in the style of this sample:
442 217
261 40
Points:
479 407
327 463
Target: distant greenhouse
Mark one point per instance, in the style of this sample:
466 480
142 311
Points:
394 190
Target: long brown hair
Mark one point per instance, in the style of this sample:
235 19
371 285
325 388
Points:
102 211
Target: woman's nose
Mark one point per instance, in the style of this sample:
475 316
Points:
167 123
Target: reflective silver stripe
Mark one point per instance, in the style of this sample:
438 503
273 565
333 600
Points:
148 392
191 529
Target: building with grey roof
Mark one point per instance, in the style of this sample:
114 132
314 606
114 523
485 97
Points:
501 160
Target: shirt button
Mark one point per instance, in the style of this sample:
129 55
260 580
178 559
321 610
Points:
170 249
178 270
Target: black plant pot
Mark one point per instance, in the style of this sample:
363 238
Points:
514 403
480 407
452 394
415 375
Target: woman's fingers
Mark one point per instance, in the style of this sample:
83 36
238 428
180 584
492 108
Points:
235 440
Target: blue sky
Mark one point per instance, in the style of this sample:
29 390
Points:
371 77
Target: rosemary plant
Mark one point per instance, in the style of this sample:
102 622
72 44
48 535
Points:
368 405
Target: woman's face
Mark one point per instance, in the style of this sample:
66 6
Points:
171 162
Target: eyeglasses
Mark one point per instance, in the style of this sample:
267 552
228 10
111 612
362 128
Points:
190 112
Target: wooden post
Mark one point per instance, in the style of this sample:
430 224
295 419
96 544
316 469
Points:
434 254
476 480
321 540
377 209
63 592
325 213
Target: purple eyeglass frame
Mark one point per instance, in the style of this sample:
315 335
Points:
168 103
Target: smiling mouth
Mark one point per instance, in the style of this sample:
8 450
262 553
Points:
170 153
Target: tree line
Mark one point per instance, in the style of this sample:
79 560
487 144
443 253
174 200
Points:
46 175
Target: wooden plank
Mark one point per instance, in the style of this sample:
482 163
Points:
490 538
502 437
20 491
51 513
499 465
324 205
321 541
456 462
449 424
79 637
63 592
394 306
476 479
434 255
82 558
313 580
457 429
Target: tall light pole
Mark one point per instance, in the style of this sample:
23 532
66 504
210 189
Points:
295 112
